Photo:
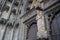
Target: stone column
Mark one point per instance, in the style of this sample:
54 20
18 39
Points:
25 32
2 29
21 32
42 33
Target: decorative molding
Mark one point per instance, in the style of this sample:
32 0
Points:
50 4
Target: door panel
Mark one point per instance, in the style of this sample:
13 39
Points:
32 34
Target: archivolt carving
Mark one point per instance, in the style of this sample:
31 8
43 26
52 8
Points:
51 17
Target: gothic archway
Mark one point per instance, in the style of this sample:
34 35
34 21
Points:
54 22
31 29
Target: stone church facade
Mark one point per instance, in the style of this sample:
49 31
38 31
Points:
29 19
